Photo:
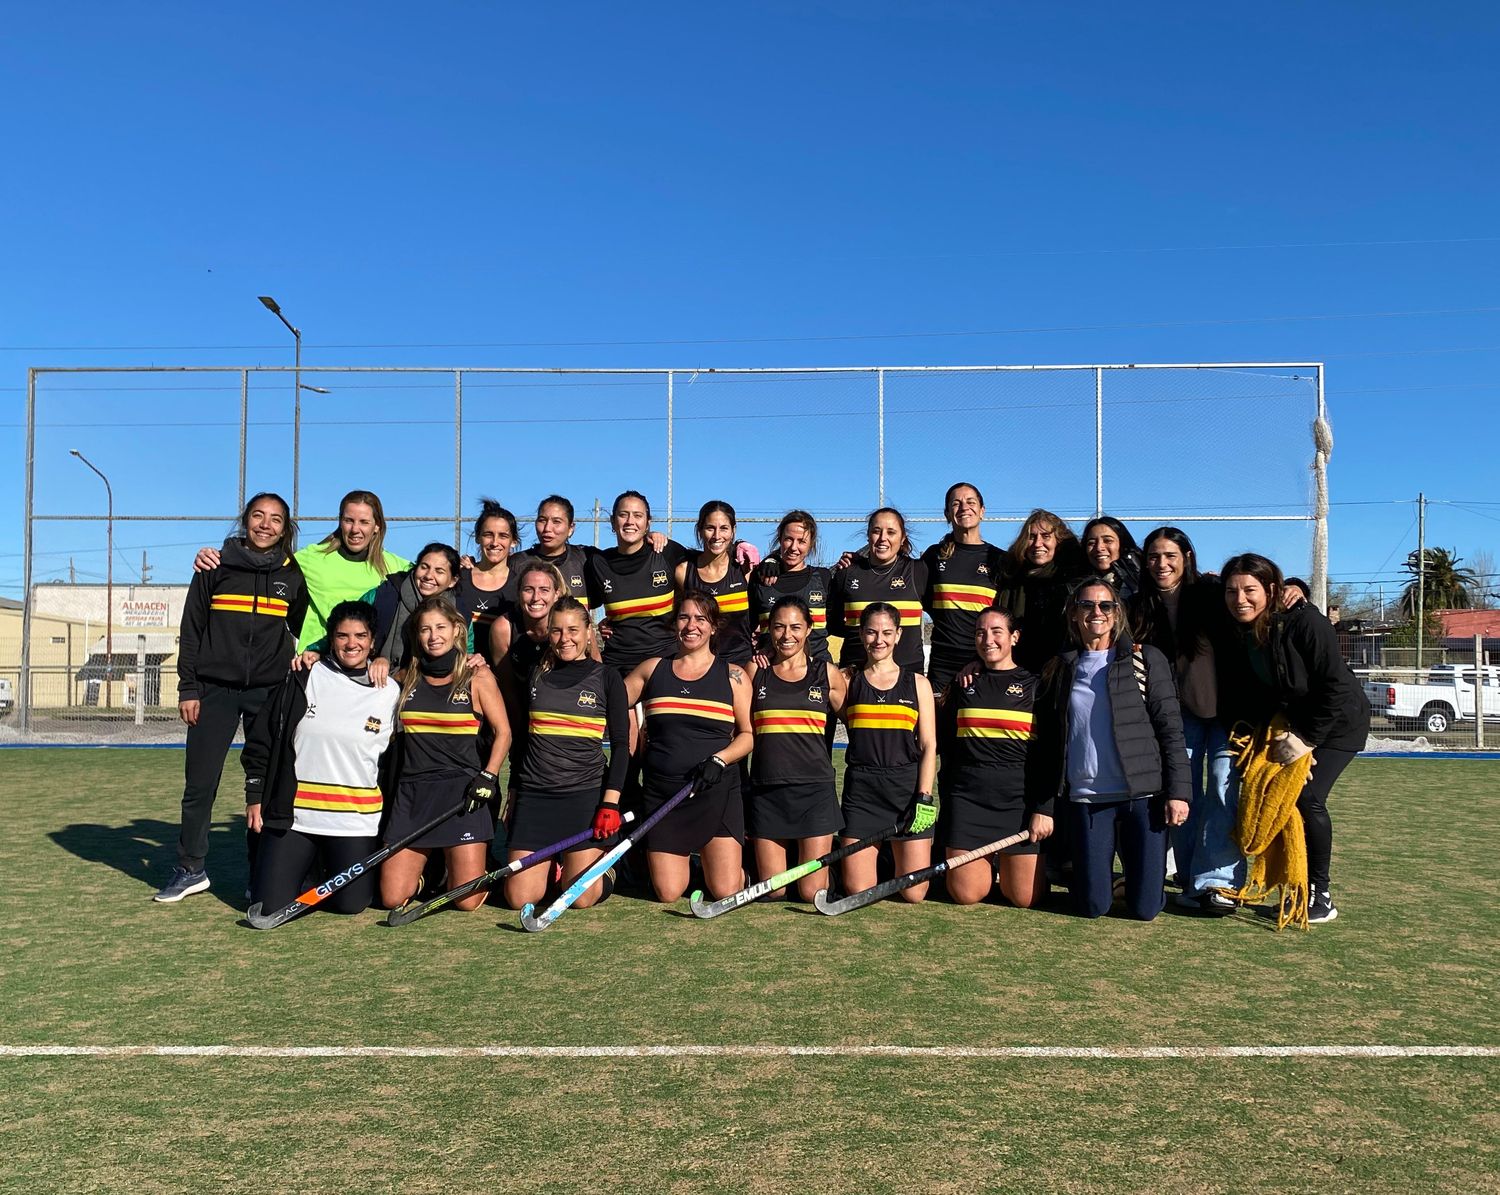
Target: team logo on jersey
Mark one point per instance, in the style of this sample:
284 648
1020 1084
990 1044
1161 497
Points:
686 692
898 583
760 692
1014 690
372 725
815 598
312 710
609 586
658 579
853 583
577 582
460 699
280 588
942 566
405 700
815 693
983 570
588 700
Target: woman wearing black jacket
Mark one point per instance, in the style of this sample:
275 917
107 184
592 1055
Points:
1044 562
239 632
1108 745
312 769
1289 662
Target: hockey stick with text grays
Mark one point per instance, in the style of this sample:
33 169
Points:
869 896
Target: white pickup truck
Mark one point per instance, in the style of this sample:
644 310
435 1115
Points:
1446 697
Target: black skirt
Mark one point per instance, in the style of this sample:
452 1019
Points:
971 818
419 801
542 818
808 810
876 798
716 812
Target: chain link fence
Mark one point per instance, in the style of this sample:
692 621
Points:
1227 451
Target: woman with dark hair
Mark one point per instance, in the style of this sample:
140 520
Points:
720 570
1288 663
1045 562
396 600
963 573
1110 756
787 571
554 533
883 572
239 634
564 783
1181 613
444 760
793 807
518 640
633 583
312 783
344 566
697 726
487 587
892 757
983 782
1112 554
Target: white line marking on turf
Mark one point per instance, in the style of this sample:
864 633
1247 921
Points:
1121 1053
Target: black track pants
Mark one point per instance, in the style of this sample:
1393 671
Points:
287 856
1328 766
220 709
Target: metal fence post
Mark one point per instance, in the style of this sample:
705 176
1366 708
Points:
669 454
458 458
1098 442
880 428
244 428
23 698
1479 679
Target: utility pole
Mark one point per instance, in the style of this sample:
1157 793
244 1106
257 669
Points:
1421 573
145 569
72 575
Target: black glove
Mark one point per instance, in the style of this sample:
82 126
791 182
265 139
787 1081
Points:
707 773
481 791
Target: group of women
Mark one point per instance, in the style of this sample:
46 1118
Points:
1079 690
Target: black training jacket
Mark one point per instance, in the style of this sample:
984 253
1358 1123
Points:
240 623
1148 732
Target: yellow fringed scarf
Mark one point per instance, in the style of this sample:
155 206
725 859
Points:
1269 826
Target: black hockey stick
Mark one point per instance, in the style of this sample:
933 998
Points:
869 896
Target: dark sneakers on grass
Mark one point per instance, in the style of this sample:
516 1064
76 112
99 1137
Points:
183 883
1320 907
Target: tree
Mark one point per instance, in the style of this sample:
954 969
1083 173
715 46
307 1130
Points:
1446 586
1489 580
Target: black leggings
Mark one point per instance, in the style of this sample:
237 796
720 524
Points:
287 855
1328 766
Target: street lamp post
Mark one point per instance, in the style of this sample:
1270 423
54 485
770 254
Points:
109 578
272 306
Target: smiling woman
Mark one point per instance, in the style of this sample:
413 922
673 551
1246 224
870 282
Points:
395 599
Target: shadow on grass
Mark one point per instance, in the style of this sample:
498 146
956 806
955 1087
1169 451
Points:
145 849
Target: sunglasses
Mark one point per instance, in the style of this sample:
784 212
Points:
1104 607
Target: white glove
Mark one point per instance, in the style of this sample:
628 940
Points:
1288 748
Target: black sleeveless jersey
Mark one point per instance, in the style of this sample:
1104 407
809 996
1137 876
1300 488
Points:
440 732
573 707
812 584
958 589
481 607
732 591
571 564
637 593
882 722
686 720
994 729
790 719
525 653
902 584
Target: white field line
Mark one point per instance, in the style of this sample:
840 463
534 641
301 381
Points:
1120 1053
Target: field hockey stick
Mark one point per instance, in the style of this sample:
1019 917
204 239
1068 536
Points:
870 895
781 879
409 913
534 921
313 897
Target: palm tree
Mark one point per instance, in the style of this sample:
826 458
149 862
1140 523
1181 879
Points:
1446 586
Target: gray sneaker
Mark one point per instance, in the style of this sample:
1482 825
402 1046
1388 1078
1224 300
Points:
183 883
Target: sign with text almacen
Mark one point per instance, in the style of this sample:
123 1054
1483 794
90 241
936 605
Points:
143 613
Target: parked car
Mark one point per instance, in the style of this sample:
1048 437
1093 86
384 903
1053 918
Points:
1446 697
7 695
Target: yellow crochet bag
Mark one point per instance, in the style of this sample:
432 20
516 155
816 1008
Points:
1269 827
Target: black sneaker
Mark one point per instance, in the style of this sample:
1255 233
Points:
1320 907
183 883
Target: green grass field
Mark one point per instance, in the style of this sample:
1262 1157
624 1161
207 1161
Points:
88 959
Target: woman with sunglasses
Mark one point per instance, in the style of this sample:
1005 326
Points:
1111 758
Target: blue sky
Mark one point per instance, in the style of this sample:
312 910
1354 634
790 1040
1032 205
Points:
834 184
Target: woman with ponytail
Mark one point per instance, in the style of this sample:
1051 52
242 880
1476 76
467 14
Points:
487 587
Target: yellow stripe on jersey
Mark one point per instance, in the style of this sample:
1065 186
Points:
881 717
247 603
690 707
994 724
337 798
418 722
789 722
911 612
652 606
575 726
962 597
733 603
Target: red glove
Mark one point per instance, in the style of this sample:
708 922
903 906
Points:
606 820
